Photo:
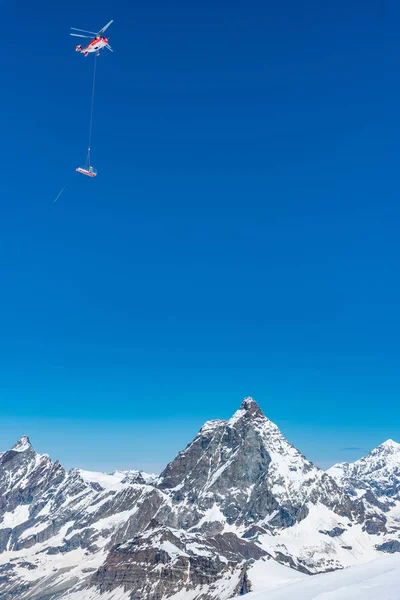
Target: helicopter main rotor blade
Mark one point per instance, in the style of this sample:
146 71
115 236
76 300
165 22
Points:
105 27
84 30
109 48
89 37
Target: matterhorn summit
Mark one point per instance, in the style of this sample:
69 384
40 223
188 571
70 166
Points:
249 407
243 471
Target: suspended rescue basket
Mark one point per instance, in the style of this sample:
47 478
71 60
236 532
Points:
90 171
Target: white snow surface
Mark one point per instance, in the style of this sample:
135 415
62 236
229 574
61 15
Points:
376 580
267 575
305 539
18 516
106 481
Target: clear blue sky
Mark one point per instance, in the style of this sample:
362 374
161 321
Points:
242 237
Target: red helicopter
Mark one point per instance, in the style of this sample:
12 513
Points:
97 43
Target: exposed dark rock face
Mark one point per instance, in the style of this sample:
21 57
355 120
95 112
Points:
375 525
234 548
244 586
390 547
162 561
287 560
150 502
254 531
335 532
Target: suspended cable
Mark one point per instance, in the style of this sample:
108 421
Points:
91 111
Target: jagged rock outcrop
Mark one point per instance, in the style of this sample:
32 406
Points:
163 561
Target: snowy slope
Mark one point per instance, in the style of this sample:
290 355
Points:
377 580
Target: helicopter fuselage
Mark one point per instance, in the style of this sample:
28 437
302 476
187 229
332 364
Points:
94 46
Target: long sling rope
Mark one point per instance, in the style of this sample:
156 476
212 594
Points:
90 127
91 111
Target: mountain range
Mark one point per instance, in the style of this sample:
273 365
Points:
238 506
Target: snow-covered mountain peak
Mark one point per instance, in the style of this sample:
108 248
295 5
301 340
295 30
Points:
23 444
244 472
377 473
381 457
388 447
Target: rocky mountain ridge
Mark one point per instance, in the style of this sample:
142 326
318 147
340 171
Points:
238 495
376 474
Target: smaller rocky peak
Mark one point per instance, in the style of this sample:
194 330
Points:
23 444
